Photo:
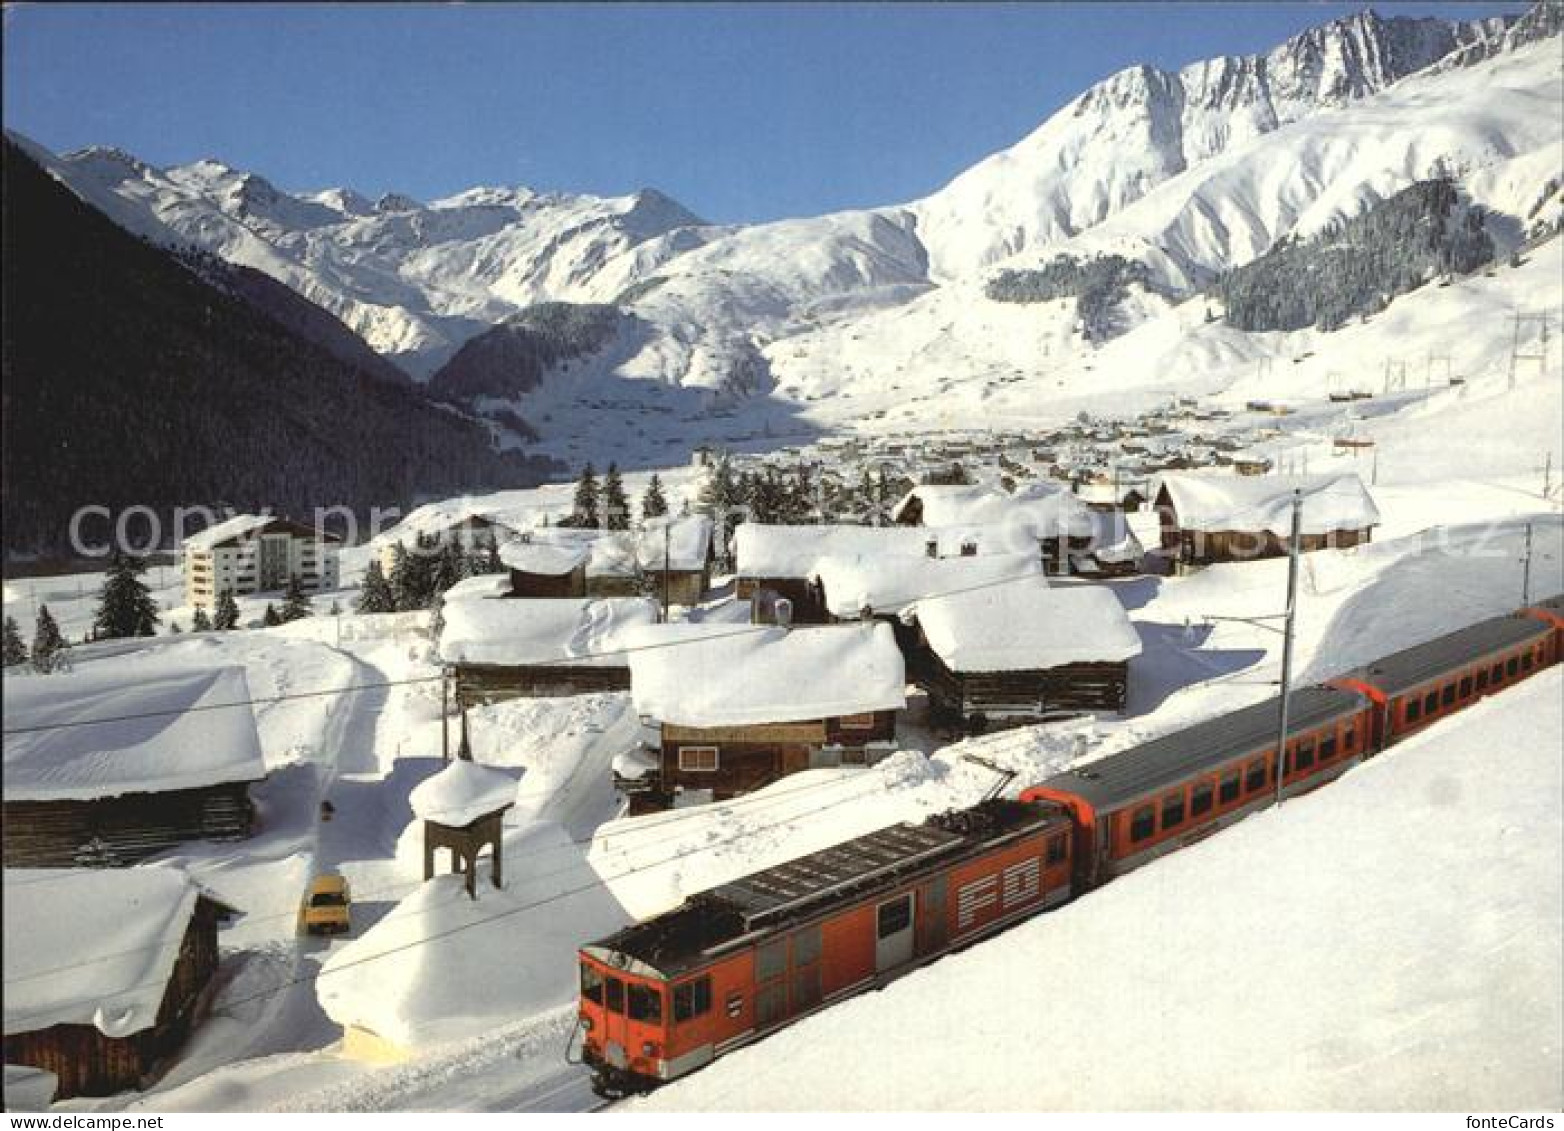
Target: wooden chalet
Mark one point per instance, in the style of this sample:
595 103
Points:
1024 653
1208 518
780 561
106 973
675 556
546 569
740 707
498 649
112 795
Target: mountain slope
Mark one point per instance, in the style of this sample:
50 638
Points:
129 380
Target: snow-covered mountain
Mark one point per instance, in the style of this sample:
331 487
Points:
1190 172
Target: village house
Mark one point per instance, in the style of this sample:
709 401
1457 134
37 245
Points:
546 568
780 560
740 706
108 796
1057 521
501 649
106 973
1207 518
1023 653
254 553
675 556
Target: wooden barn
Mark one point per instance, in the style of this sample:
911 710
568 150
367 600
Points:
113 794
740 706
502 649
1024 653
883 587
675 557
546 568
1208 518
106 972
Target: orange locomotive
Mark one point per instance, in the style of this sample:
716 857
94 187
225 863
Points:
667 996
664 997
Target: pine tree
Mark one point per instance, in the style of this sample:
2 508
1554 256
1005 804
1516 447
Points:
200 622
270 618
15 647
654 504
173 628
295 602
584 511
616 508
376 596
447 568
491 557
225 617
126 607
48 645
722 497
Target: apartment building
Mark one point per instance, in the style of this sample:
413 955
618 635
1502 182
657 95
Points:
252 553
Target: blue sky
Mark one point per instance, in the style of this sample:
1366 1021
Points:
742 112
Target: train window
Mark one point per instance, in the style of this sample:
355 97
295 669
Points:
1254 778
1349 741
616 995
1303 754
806 946
1526 662
1482 679
1511 666
1430 702
1447 696
1328 748
692 999
1200 799
895 916
1172 810
1143 823
646 1003
1497 671
1466 687
1055 849
591 984
1414 710
1229 788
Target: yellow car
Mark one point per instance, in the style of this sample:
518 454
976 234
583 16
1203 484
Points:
326 906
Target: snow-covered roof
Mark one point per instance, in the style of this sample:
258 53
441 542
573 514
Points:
1045 509
247 525
793 551
688 542
889 583
174 729
1264 502
569 632
1027 627
462 792
550 559
712 675
92 946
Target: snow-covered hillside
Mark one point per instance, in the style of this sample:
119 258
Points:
1189 172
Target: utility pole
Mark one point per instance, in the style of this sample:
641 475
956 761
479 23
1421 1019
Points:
666 556
1526 570
1374 471
1547 477
445 714
1292 605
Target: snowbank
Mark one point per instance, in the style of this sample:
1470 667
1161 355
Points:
1371 946
722 675
1027 627
548 559
177 728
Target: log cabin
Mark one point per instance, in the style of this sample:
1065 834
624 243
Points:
740 706
500 649
1024 653
675 556
546 568
106 973
1210 518
110 795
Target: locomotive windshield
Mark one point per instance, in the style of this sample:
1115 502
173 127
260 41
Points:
591 984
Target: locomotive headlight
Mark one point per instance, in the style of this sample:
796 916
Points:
648 1048
586 1023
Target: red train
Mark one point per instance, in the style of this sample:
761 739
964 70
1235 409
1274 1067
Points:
664 997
